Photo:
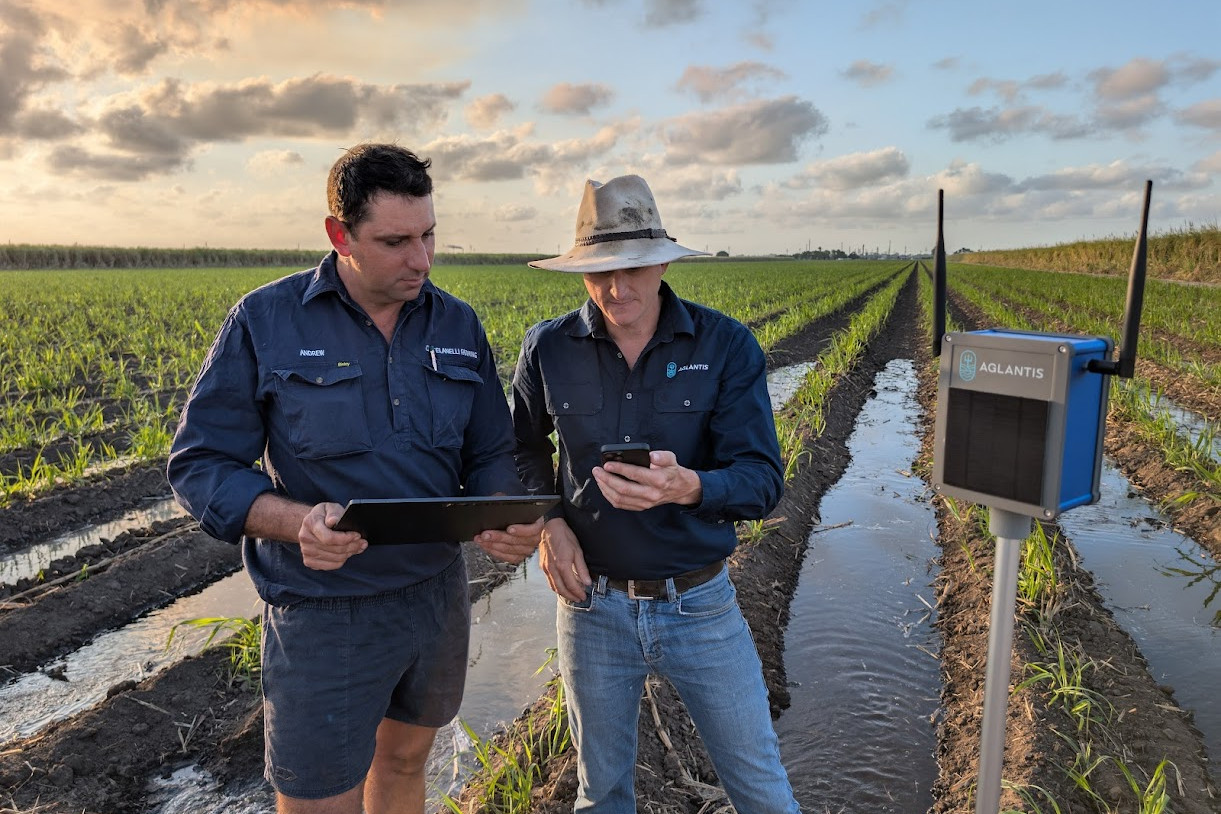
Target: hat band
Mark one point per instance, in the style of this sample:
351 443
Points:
609 236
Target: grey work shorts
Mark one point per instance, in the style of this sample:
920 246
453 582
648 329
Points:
334 668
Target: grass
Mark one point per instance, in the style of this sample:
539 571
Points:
509 767
242 637
1187 253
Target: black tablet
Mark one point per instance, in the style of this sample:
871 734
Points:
439 519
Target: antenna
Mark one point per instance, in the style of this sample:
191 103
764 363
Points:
939 279
1125 366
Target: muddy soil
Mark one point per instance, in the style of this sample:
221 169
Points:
195 712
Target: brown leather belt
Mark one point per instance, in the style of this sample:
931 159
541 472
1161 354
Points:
656 588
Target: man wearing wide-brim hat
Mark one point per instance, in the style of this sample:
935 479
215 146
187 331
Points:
636 554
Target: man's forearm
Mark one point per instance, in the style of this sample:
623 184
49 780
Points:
274 517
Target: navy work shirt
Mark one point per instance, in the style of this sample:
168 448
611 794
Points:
300 379
698 389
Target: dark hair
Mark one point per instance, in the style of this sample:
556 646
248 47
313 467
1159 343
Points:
367 169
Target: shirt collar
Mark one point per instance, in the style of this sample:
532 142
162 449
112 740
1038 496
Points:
326 280
673 319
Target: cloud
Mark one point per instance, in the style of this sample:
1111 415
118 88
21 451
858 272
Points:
672 12
1011 90
1137 77
510 213
867 74
962 179
1206 114
854 171
155 129
133 48
270 163
1117 175
45 124
23 67
73 160
309 107
946 63
709 83
1129 113
996 124
1007 89
568 99
760 40
1195 69
697 184
767 131
507 156
483 113
1210 164
890 11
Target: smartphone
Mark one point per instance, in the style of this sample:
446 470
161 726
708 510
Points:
635 454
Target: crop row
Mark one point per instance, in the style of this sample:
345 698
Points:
1190 253
94 365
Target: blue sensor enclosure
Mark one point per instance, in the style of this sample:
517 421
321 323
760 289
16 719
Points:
1021 420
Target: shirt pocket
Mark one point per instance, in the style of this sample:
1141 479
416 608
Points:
451 395
576 414
564 399
700 398
681 415
324 409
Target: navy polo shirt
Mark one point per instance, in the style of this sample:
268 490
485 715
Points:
698 389
301 395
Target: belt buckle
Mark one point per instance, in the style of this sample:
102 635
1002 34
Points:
631 591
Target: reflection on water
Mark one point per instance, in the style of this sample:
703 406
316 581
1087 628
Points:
79 680
1198 430
783 382
860 644
1163 590
29 561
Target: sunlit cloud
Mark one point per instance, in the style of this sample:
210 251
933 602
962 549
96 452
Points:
485 112
270 163
1115 175
853 171
566 98
768 131
1137 77
510 213
867 74
506 155
1011 90
1206 114
998 124
697 184
709 83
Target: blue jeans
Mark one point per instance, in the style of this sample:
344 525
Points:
699 640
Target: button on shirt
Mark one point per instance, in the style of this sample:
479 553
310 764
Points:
301 382
698 389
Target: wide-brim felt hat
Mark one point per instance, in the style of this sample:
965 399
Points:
618 227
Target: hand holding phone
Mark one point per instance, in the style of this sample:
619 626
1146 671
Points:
635 454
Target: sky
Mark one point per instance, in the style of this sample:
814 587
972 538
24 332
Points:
762 126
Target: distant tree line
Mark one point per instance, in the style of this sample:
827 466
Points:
26 256
826 254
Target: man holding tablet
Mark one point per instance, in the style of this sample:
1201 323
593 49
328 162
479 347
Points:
358 379
637 553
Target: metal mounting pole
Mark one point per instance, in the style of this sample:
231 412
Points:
1010 529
